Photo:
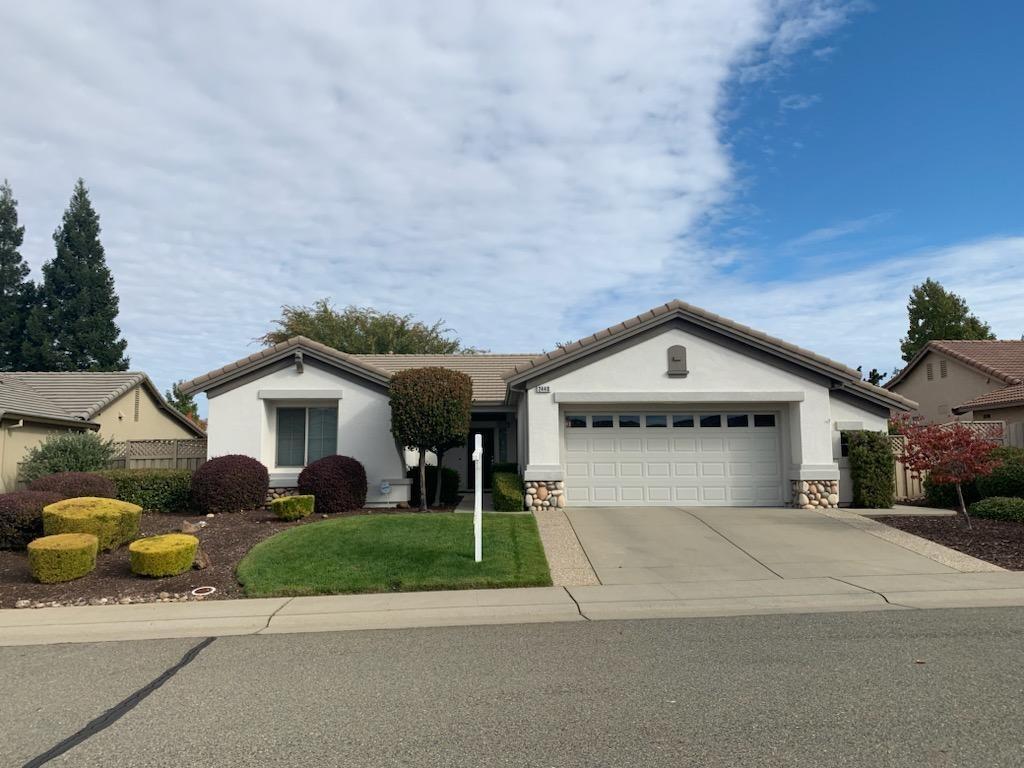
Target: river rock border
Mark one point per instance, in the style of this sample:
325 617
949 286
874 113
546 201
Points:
542 494
279 493
816 494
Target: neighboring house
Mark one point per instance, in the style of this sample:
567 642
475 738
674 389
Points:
969 380
120 406
677 406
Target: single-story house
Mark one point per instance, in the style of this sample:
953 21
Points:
122 405
677 406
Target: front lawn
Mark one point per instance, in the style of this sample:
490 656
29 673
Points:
396 553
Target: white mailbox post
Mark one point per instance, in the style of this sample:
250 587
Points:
478 492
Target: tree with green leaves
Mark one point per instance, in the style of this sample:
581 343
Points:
182 403
430 411
874 376
16 291
937 314
72 326
363 331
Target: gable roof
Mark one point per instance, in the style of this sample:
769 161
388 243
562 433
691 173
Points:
847 377
486 370
1001 359
1001 398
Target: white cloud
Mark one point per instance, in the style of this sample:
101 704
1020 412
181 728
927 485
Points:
798 101
836 231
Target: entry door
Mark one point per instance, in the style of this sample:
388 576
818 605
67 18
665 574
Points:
637 458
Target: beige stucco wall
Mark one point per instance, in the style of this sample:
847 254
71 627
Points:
15 442
937 398
120 421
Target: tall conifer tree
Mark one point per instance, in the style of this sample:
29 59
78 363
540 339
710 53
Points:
15 289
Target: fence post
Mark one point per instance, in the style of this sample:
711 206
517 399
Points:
174 461
127 454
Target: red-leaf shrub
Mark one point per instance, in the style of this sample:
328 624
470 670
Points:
232 483
338 484
72 485
21 517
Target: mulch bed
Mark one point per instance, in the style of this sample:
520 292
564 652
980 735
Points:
225 540
997 541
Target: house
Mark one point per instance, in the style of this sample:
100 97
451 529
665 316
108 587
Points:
122 405
970 380
677 406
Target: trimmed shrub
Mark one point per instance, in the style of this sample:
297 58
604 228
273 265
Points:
449 485
1008 478
999 508
62 557
292 507
155 490
111 521
166 555
507 492
872 469
337 482
505 467
71 485
943 495
21 517
67 452
232 483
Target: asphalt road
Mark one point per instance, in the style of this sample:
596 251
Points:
914 688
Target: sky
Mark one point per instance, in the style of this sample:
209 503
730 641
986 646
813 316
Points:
530 172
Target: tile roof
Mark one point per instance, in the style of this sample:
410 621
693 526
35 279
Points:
1003 359
18 398
487 371
1000 398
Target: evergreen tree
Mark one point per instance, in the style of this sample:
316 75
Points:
185 404
15 290
937 314
72 326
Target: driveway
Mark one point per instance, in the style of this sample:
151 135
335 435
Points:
655 545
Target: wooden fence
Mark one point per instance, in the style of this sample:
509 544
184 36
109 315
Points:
910 486
159 454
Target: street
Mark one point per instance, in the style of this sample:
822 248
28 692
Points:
901 688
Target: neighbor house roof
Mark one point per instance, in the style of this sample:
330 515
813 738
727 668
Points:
1000 398
486 370
19 400
1000 359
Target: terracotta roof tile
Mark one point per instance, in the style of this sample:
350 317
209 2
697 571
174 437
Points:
1007 396
487 371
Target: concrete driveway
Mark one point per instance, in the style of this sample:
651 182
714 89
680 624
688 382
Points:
655 545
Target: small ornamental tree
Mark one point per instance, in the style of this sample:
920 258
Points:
430 411
949 453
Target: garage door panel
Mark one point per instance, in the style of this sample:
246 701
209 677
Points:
603 469
631 469
685 468
712 469
632 493
656 494
604 494
658 445
712 445
687 493
684 445
577 469
657 469
713 493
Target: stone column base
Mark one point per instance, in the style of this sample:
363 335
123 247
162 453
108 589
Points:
541 494
815 494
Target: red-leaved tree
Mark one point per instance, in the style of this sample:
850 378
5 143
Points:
950 454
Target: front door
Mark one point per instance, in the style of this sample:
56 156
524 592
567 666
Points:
487 438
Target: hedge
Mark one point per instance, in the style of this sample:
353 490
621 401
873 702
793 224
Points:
232 483
507 492
111 521
872 469
72 485
943 495
62 557
293 507
155 490
337 482
999 508
166 555
450 481
21 517
1008 478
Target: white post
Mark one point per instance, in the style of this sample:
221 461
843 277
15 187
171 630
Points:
478 492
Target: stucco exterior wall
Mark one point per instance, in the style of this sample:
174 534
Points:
937 397
17 441
121 420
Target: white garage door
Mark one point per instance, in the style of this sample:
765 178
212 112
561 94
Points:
643 458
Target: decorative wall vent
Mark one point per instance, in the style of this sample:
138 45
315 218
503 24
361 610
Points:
677 361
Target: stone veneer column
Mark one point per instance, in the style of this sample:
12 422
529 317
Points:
541 494
815 494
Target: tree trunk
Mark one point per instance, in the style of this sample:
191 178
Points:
437 491
963 507
423 480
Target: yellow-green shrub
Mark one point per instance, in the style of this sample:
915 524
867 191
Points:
63 557
111 521
292 507
166 555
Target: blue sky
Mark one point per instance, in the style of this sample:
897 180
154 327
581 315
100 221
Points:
530 171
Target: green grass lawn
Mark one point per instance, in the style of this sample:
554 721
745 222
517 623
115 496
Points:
395 553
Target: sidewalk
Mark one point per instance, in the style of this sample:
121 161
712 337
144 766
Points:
508 606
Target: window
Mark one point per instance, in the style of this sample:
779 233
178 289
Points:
651 420
711 420
682 421
575 421
737 420
305 435
764 419
943 371
629 421
602 422
844 444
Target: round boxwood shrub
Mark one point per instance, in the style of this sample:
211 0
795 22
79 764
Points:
999 508
111 521
232 483
292 507
166 555
62 557
72 485
337 482
21 517
1008 478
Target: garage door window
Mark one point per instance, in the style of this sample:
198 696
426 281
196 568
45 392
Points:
682 421
576 422
604 421
653 420
737 420
629 421
711 420
764 419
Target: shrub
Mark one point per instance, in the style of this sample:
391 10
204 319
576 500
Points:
157 490
67 452
505 467
872 468
1008 478
337 482
943 495
293 507
111 521
62 557
166 555
230 483
507 492
999 508
71 485
21 517
449 485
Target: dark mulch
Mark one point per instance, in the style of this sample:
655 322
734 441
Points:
998 541
225 539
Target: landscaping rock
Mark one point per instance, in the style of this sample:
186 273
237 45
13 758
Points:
202 560
188 527
23 604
